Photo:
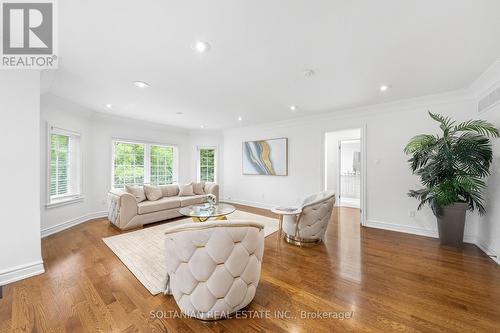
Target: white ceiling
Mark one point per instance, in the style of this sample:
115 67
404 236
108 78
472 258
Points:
260 49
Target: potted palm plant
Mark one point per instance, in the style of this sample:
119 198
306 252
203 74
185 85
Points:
452 167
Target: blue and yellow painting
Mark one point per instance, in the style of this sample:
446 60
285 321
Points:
265 157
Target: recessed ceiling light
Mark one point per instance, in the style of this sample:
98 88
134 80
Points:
293 108
201 47
141 84
309 72
109 106
240 118
384 88
202 126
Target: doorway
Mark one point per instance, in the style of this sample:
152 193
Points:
344 168
349 193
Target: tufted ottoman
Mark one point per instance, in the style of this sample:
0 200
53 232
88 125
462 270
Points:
214 267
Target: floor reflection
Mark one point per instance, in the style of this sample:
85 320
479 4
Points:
348 229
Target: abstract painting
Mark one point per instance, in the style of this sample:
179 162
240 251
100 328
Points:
266 157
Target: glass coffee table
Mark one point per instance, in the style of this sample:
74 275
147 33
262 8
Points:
201 213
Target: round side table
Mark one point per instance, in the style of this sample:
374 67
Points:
282 211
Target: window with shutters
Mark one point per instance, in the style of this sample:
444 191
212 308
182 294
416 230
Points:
64 169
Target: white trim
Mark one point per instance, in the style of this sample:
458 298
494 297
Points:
66 200
50 128
61 131
488 250
371 223
198 161
372 110
20 272
146 158
364 173
71 223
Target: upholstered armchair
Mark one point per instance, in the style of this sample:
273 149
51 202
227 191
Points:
213 268
309 225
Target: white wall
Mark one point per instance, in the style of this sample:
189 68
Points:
488 234
389 128
97 132
20 254
332 154
106 128
60 113
207 139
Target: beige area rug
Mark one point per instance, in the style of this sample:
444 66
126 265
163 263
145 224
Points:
143 252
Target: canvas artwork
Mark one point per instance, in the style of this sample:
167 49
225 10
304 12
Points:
266 157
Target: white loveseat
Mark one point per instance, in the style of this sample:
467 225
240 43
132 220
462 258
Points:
126 213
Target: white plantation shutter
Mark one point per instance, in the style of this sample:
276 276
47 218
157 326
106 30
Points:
64 164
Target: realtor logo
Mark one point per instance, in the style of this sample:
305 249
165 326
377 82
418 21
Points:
28 35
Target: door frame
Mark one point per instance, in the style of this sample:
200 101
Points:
364 173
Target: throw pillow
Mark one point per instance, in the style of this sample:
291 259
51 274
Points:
153 193
186 190
136 191
198 188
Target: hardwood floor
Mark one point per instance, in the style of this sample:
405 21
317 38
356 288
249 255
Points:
391 282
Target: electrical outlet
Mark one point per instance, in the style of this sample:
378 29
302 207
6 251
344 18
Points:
411 213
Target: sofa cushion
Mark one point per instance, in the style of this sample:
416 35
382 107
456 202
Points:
170 190
146 207
193 200
153 193
136 191
186 190
198 188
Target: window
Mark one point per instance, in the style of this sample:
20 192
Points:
128 164
207 164
143 163
162 165
64 166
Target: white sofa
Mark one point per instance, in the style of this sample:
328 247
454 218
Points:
213 268
126 213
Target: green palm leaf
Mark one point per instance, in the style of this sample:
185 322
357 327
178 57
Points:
452 166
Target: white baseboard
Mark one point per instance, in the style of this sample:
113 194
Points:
488 250
71 223
370 223
17 273
249 203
